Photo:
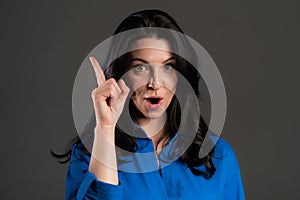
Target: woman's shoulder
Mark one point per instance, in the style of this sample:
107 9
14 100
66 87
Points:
79 152
223 148
224 156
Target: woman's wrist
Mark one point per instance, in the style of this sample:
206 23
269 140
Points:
107 131
103 162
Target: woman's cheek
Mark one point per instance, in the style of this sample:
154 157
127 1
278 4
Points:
171 83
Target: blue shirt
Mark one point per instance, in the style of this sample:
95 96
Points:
174 181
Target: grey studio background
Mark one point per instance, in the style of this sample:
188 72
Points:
255 45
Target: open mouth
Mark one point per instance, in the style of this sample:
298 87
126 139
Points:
154 101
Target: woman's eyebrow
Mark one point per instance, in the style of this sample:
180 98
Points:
144 61
171 58
139 59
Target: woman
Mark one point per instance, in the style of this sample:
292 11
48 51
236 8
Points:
150 80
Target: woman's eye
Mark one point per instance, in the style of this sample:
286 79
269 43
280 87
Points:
168 67
140 68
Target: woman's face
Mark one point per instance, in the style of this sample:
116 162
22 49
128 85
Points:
152 77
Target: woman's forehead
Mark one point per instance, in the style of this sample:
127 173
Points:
151 55
153 43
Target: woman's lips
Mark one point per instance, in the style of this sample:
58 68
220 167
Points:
154 101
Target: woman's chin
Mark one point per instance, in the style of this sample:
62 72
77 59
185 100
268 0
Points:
155 113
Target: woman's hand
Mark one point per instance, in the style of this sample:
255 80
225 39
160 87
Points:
108 98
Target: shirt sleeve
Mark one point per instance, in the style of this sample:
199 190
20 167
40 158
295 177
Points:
234 189
82 184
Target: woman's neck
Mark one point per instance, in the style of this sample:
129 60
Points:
154 128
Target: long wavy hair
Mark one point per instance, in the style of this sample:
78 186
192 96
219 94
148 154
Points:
175 111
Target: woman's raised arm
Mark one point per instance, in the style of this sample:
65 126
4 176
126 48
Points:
108 100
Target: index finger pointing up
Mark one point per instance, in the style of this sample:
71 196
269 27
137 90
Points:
98 71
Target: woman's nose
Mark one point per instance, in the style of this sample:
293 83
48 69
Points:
154 85
155 79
